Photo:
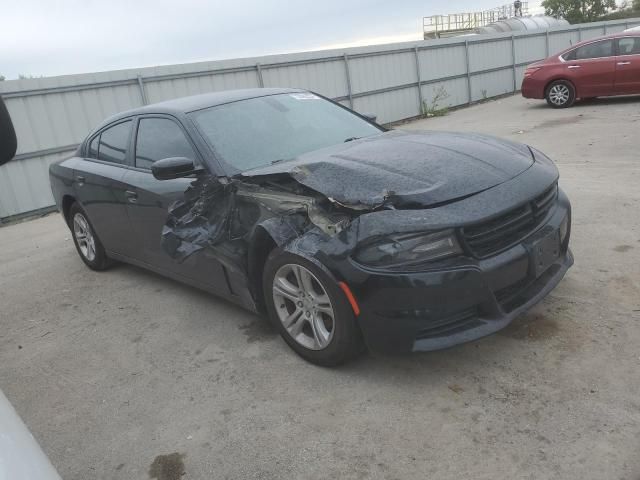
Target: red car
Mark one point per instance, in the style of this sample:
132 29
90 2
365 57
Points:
600 67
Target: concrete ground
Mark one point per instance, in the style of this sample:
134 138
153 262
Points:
127 375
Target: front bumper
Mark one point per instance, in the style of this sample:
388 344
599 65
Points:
463 301
533 88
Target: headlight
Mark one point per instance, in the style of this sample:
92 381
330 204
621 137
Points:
410 249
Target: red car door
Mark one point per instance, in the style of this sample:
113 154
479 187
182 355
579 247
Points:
628 66
592 68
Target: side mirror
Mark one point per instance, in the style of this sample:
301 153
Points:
8 142
372 117
174 167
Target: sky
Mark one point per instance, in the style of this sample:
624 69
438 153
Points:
55 37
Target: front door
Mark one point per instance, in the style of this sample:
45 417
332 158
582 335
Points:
628 66
161 137
592 69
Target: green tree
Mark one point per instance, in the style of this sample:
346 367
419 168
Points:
579 11
636 5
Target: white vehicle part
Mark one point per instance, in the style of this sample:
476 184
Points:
20 455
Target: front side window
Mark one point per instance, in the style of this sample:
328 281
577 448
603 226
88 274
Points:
113 143
259 131
160 138
629 46
592 50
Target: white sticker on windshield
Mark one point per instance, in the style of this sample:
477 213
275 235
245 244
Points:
304 96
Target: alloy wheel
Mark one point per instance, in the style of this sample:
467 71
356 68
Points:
559 94
303 306
84 237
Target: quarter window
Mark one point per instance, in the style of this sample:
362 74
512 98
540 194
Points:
629 46
160 138
592 50
93 147
114 142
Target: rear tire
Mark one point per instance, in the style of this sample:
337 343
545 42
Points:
310 310
561 94
87 243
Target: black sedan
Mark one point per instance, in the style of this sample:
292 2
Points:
347 235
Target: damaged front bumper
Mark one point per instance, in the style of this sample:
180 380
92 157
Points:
467 299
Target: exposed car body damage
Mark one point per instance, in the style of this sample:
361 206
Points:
405 170
223 214
341 183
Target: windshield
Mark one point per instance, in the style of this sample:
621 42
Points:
259 131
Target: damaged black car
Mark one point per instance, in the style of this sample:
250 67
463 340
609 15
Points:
345 234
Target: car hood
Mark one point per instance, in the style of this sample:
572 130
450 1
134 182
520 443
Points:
405 169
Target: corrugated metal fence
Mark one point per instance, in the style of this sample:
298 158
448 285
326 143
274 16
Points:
52 115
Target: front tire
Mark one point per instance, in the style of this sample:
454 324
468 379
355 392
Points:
309 310
561 94
87 243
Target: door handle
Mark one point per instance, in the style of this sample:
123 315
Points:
80 179
131 196
574 66
624 63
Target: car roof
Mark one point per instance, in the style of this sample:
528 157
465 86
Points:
183 105
604 37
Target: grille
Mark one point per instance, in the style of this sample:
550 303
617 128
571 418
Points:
488 238
455 323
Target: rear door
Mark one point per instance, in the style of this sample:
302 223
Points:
592 68
158 137
99 185
628 66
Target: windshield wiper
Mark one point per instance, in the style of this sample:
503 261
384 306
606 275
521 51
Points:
351 139
273 162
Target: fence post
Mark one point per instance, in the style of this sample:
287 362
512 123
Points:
466 57
420 99
513 60
579 34
143 94
605 28
259 72
348 73
548 45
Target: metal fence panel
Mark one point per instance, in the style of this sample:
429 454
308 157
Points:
562 40
451 93
326 78
493 84
484 56
390 106
443 62
592 32
160 90
382 71
530 49
52 115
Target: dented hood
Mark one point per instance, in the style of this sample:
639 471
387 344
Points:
406 169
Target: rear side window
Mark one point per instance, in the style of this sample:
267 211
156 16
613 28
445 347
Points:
629 46
160 138
113 143
592 50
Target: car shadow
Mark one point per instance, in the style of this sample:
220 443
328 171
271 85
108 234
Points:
592 102
624 100
253 323
458 361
